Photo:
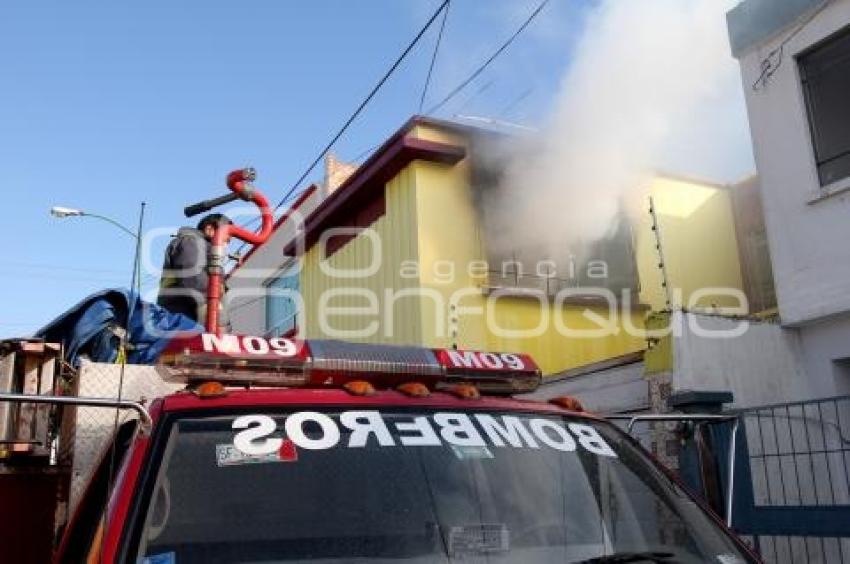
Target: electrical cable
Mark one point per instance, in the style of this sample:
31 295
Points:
484 87
363 104
515 102
434 56
356 113
42 277
446 99
433 109
51 266
486 63
768 66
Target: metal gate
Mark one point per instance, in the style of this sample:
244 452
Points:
792 480
790 487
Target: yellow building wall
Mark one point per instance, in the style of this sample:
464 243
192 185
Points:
449 232
397 232
699 243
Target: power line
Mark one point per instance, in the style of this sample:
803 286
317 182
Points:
484 87
492 57
363 104
45 277
54 267
434 56
515 102
356 113
773 61
472 77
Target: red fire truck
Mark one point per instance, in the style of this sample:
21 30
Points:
277 450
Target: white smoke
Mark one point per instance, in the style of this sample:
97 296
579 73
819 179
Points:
648 82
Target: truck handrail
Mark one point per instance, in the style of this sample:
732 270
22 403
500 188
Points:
144 416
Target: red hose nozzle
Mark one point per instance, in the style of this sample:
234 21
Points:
241 175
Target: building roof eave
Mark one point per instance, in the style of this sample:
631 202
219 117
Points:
399 151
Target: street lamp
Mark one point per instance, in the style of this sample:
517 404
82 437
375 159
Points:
63 212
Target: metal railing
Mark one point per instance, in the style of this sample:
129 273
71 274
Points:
144 416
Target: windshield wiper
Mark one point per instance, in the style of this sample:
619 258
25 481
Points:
619 557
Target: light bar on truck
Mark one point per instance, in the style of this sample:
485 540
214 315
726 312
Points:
490 372
235 359
258 361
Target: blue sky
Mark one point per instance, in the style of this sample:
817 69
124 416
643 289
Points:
107 104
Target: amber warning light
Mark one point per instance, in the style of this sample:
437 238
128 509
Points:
278 361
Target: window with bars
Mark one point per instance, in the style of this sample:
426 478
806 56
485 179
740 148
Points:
825 74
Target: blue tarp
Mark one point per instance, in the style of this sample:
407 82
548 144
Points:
92 327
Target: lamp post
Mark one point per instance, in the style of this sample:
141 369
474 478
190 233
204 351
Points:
63 212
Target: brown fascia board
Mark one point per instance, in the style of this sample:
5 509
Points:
399 151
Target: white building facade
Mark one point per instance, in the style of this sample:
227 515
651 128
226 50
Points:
795 68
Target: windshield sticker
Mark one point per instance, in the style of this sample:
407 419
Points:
471 452
477 539
470 436
230 455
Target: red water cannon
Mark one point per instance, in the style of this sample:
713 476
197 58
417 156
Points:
241 188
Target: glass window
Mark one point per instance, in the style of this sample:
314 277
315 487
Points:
421 487
825 72
608 262
281 304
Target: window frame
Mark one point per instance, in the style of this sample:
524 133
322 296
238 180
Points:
800 58
288 270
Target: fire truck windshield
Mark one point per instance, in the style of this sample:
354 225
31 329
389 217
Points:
426 486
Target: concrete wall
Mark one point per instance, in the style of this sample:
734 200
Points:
761 366
826 355
807 224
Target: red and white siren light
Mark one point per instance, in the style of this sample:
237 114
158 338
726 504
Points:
279 361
